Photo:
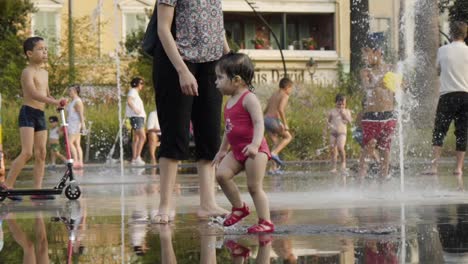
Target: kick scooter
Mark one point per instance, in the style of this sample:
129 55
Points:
72 190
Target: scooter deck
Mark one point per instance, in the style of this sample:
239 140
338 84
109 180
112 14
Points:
31 192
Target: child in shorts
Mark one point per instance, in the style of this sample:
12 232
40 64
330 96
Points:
243 146
276 125
54 141
32 124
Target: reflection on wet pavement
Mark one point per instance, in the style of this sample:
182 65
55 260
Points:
319 219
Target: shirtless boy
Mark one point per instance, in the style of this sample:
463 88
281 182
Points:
378 121
276 125
338 119
32 124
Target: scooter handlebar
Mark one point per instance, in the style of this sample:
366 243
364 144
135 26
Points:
63 102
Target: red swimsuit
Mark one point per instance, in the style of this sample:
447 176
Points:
239 130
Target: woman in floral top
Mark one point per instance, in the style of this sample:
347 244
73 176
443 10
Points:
184 78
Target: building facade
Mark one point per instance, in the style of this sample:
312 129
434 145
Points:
314 35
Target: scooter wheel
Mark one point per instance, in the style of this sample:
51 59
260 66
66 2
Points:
2 198
72 193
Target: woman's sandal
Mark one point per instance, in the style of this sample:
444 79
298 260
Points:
236 249
233 218
163 219
263 226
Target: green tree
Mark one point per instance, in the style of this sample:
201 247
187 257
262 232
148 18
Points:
360 30
88 68
13 25
140 65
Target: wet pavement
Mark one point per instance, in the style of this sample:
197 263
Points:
320 218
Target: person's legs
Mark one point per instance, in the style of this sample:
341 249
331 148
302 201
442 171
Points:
460 160
206 120
340 144
42 245
255 170
53 156
134 145
368 151
140 137
79 149
333 152
274 140
385 165
153 142
22 239
227 169
461 132
27 143
442 122
168 171
167 250
206 176
60 156
40 153
74 152
285 139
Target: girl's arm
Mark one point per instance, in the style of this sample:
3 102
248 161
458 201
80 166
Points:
252 105
188 83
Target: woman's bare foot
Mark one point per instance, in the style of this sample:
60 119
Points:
333 170
209 212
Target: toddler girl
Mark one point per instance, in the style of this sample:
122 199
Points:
244 129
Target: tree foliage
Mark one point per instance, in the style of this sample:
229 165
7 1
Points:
89 68
459 12
13 25
140 65
360 30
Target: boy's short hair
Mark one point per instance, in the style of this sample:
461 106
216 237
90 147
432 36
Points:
285 83
53 119
340 98
458 30
135 82
30 43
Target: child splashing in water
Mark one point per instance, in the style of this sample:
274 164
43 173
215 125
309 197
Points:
244 135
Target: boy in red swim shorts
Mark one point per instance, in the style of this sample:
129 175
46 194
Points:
378 120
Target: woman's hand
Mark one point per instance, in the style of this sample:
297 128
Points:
219 157
188 83
250 150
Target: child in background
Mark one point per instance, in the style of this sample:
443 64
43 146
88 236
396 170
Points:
276 125
244 135
338 118
76 125
54 141
154 132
